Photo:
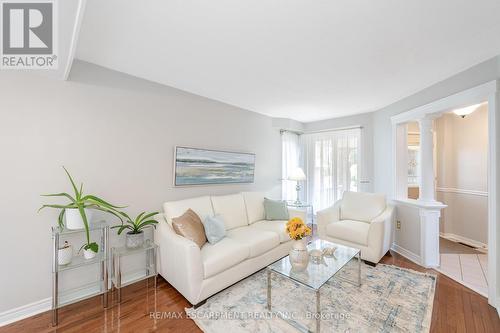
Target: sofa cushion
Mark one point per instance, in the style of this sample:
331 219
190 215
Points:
232 208
222 255
348 230
254 204
258 242
189 225
278 227
202 206
360 206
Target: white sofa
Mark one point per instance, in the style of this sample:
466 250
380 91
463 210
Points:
251 243
360 220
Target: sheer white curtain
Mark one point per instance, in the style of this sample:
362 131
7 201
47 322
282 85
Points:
332 163
290 143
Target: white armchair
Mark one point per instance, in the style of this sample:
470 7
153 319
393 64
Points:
359 220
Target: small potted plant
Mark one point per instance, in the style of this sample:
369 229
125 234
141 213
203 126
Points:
79 205
135 234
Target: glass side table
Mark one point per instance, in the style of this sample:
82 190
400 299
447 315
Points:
60 299
306 207
150 269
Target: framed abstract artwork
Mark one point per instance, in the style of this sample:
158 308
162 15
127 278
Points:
195 166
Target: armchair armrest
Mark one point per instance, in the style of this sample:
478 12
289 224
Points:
180 261
380 232
328 215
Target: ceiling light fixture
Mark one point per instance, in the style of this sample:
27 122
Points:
466 111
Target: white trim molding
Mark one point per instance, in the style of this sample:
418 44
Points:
461 239
25 311
471 96
406 253
461 191
80 11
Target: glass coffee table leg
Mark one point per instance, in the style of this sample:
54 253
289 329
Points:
318 311
359 269
269 289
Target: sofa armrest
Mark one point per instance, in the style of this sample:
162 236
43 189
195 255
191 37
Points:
180 261
294 212
380 232
327 215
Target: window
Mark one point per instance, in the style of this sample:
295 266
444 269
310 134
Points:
332 160
290 149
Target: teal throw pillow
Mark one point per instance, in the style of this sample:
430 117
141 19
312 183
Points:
214 228
275 209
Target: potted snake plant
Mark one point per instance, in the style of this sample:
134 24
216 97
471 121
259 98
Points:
78 213
135 233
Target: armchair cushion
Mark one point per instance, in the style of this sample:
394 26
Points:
222 255
360 206
349 230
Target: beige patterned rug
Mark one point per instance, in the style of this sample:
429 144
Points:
390 299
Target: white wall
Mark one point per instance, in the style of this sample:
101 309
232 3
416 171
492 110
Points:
462 180
116 134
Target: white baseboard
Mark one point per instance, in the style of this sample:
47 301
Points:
457 238
407 254
25 311
43 305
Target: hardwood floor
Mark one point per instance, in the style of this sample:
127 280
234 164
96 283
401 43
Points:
456 309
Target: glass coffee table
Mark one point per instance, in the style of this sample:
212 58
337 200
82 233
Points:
316 275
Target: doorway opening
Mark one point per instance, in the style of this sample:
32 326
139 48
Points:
461 171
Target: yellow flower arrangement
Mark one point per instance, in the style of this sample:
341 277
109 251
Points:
297 229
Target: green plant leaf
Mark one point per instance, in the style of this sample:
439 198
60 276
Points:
93 247
58 206
77 195
146 223
123 227
60 195
85 222
100 201
60 219
147 216
138 218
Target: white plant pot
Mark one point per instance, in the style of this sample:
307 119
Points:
299 256
89 254
74 219
133 241
64 255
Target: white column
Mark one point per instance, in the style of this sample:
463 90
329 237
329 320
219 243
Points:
426 160
429 236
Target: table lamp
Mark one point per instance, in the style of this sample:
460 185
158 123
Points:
297 175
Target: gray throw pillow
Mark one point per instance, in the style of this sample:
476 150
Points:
214 228
275 209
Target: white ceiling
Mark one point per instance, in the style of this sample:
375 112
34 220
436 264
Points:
306 60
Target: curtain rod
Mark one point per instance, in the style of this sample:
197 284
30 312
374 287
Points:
323 130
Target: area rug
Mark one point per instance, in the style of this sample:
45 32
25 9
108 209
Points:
390 299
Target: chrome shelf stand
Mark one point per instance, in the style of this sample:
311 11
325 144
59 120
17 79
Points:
101 258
